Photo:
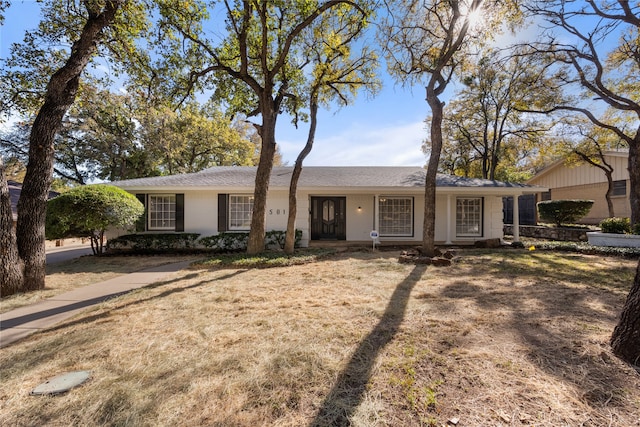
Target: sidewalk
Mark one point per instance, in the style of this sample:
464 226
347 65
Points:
24 321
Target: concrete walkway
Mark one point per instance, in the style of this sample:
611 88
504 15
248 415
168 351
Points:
24 321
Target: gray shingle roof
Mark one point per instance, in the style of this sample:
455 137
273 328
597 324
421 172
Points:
314 177
15 188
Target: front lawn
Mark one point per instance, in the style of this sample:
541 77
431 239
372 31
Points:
505 337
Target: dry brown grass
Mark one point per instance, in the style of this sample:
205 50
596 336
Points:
85 270
507 338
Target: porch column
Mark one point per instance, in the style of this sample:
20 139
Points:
516 220
448 242
376 219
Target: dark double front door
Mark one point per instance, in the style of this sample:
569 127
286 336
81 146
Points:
328 218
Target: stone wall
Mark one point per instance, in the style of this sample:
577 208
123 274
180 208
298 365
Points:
551 233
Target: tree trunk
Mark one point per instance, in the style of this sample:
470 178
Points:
11 273
609 193
256 242
625 340
290 237
60 95
634 178
429 224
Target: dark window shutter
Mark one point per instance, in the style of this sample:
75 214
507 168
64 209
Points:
223 208
141 223
179 212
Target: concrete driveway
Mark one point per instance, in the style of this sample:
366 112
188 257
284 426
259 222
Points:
65 253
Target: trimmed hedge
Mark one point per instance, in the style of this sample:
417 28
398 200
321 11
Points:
154 243
226 242
563 211
585 248
190 242
231 242
616 225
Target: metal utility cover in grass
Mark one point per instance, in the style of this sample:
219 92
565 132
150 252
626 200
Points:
62 383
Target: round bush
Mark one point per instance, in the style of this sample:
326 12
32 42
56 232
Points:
563 211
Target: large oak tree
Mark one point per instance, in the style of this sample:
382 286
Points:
86 26
257 68
428 42
60 93
486 134
609 76
338 72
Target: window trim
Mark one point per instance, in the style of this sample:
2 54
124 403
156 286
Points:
411 233
150 218
480 232
230 226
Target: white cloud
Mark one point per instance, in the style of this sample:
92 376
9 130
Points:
357 145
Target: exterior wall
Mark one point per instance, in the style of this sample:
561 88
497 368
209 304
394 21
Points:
360 222
583 174
588 182
201 212
360 216
493 225
201 215
595 192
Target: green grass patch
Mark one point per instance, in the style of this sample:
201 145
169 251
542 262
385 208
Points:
266 259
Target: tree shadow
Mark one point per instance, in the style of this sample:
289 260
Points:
349 389
553 321
33 354
92 318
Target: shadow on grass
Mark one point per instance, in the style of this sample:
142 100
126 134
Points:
164 294
350 387
554 309
35 352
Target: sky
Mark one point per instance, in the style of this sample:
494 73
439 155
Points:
387 130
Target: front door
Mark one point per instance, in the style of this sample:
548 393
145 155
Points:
328 218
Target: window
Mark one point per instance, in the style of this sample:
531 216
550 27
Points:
395 217
162 212
619 188
240 210
469 216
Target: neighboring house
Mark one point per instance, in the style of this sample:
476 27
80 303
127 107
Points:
334 203
587 182
15 188
14 194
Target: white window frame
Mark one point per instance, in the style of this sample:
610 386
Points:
469 216
161 213
395 216
240 212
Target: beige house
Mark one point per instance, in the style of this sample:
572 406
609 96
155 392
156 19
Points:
334 203
584 181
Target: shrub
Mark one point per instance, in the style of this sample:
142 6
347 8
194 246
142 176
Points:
154 243
563 211
226 242
88 211
615 225
277 237
231 242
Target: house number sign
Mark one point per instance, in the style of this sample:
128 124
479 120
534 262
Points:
277 211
